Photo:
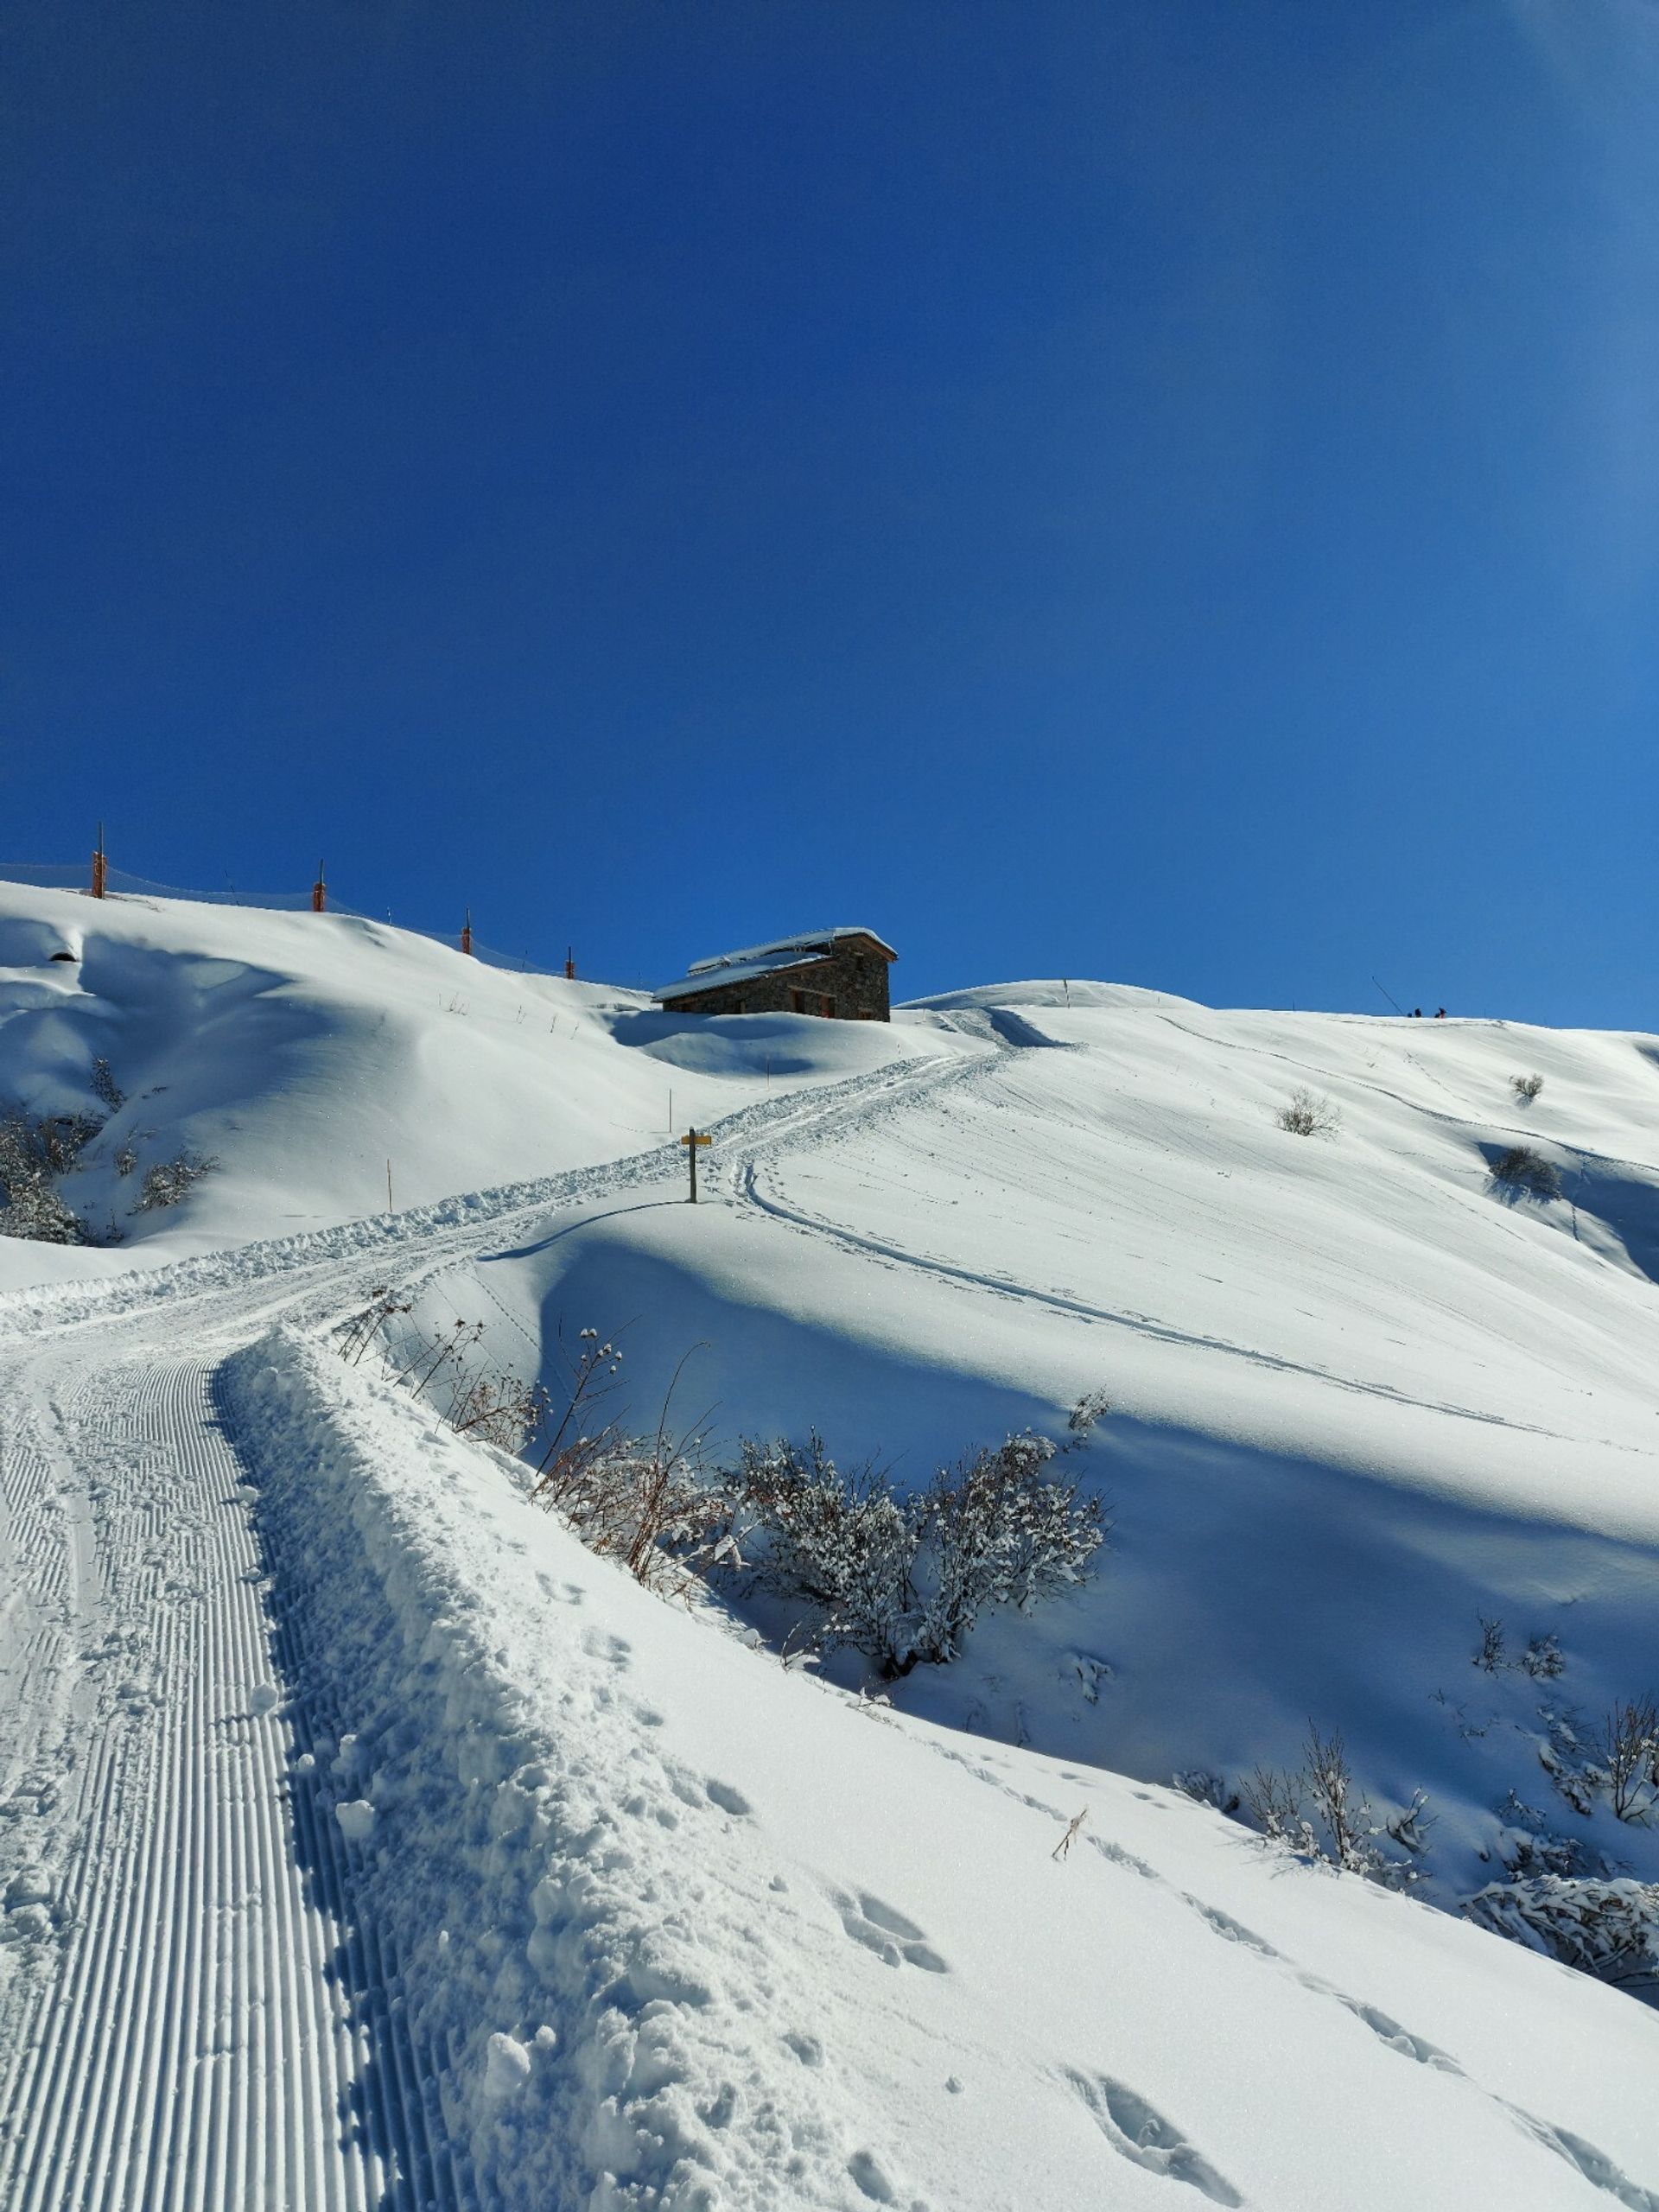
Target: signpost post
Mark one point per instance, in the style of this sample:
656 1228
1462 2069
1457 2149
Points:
691 1143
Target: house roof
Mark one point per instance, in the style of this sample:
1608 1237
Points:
726 968
807 941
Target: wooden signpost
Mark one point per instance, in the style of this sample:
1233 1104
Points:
691 1143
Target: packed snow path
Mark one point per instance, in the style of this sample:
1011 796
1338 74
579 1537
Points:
209 2020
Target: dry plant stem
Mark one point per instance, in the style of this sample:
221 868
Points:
1063 1848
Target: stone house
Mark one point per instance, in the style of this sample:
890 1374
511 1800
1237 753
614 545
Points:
840 974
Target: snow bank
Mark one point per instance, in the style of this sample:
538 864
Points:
579 1965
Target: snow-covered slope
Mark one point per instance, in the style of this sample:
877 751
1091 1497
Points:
1361 1399
337 1779
306 1053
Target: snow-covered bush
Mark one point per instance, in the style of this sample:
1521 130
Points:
1542 1657
996 1531
1520 1168
648 1502
1317 1811
1627 1753
36 1149
1607 1929
1529 1846
1310 1116
904 1580
167 1181
1567 1756
1207 1788
1526 1088
839 1540
105 1086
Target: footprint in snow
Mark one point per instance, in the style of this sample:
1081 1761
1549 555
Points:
565 1593
894 1940
1233 1932
1389 2032
1591 2165
598 1644
870 2178
1137 2131
728 1800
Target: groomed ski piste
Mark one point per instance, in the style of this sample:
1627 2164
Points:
365 1841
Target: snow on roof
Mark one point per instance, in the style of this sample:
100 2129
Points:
763 960
807 941
718 972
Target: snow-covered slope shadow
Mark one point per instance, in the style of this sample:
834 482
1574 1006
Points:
1245 1589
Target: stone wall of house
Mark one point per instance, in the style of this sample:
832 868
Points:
850 985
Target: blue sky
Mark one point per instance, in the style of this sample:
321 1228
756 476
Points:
1167 493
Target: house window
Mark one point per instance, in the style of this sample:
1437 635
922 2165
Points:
798 1001
739 1007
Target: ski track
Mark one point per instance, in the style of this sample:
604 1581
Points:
210 2019
748 1185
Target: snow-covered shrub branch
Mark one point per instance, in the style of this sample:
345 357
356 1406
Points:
649 1501
39 1151
105 1087
901 1579
167 1181
1607 1929
1628 1749
1308 1115
1541 1658
36 1149
471 1394
1319 1811
1520 1168
1617 1758
904 1579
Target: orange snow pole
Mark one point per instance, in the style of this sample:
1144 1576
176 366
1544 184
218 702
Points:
570 963
100 867
320 893
467 932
